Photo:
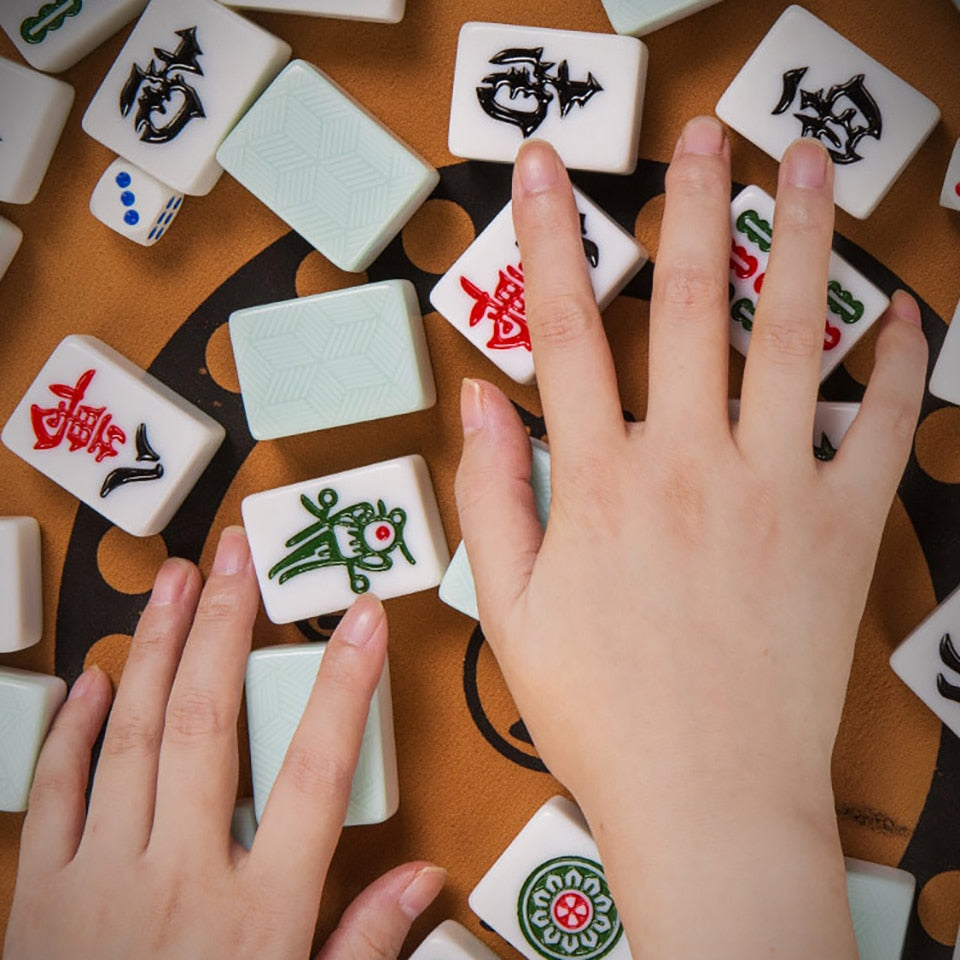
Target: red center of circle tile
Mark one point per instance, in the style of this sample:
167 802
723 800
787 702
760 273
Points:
572 911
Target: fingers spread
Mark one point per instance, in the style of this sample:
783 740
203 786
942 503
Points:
782 373
56 814
565 327
498 516
197 771
124 791
689 336
876 447
307 805
378 921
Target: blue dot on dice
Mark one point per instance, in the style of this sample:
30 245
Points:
131 217
128 198
123 179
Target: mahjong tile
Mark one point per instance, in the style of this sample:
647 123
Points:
805 79
382 11
112 435
583 92
831 421
945 379
11 236
950 194
853 303
318 545
639 17
21 584
482 294
881 899
451 941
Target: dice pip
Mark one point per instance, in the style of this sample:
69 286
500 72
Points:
53 35
134 204
33 113
583 92
112 435
853 303
278 684
805 79
187 73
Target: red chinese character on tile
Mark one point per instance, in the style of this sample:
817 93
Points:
505 307
82 426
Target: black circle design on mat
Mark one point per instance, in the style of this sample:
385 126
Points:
88 608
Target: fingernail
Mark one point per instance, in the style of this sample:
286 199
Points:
232 552
538 166
805 163
905 308
85 682
362 620
703 136
471 405
421 891
171 579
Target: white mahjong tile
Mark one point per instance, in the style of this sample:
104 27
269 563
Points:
113 435
53 35
950 194
332 359
482 294
805 79
945 379
11 236
451 941
853 303
881 898
188 72
831 421
318 545
21 585
134 204
33 112
928 661
278 684
327 167
547 895
28 704
383 11
583 92
639 17
457 589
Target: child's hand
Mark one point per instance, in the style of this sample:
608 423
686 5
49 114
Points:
679 640
150 870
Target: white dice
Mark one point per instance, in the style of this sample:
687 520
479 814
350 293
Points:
112 435
21 585
482 294
33 112
384 11
53 35
318 545
547 894
187 73
11 236
134 204
945 379
853 303
805 79
28 704
450 941
583 92
278 684
950 194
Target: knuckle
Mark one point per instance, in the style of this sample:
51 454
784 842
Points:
315 775
367 945
131 736
688 284
696 175
193 714
806 220
51 785
562 319
217 606
784 340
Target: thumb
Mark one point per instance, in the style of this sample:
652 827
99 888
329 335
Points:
498 515
375 925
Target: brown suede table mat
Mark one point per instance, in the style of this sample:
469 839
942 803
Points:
469 776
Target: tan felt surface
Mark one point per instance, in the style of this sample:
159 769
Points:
461 800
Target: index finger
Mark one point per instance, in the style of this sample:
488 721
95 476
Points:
575 371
